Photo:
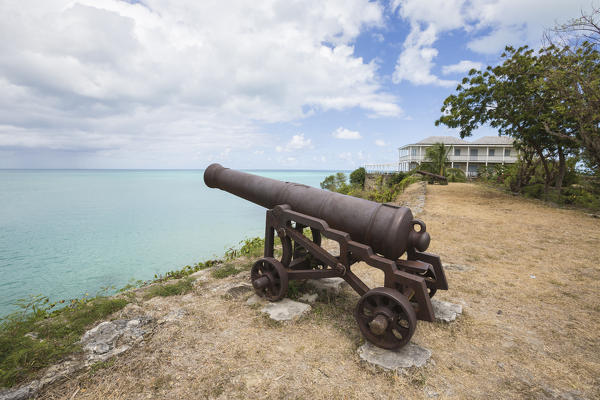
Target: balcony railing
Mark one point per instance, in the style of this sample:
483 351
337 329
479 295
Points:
464 158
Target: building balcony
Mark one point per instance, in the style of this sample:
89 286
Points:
464 158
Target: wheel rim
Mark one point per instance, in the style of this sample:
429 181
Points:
386 304
276 284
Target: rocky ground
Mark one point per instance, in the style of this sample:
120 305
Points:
525 274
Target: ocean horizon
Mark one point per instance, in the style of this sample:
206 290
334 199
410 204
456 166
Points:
68 232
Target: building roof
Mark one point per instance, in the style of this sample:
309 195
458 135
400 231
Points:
493 140
451 140
442 139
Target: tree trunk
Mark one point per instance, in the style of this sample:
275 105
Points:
546 171
562 169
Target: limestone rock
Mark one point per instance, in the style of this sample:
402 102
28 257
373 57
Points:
444 311
255 299
100 342
309 297
328 286
20 393
408 356
285 310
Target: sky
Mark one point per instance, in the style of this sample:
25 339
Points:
273 84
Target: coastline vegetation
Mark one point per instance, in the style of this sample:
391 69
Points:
384 189
43 332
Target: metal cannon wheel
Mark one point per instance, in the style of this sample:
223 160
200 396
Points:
386 318
269 278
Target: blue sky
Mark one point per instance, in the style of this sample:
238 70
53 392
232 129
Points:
269 84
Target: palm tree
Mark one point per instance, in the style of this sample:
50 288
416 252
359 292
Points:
437 155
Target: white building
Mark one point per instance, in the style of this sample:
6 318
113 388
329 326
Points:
468 156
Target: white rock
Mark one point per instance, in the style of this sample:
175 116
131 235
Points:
285 310
21 393
328 286
408 356
255 299
444 311
309 297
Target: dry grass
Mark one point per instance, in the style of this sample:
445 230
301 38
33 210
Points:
520 337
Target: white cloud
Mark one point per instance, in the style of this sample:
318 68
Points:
165 76
343 133
492 24
298 142
380 143
461 67
415 62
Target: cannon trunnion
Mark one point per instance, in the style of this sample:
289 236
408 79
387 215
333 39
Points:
377 234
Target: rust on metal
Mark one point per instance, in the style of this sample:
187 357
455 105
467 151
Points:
384 236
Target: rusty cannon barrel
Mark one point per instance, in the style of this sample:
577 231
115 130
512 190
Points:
388 229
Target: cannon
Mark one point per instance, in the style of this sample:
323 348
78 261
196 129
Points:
384 236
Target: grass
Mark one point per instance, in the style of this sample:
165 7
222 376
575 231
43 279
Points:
57 334
170 289
225 271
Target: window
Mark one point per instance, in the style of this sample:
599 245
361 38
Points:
473 153
507 152
457 152
413 151
491 152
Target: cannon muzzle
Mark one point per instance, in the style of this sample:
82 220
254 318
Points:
388 229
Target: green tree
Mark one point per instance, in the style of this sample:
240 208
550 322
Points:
357 177
573 78
515 98
437 155
335 183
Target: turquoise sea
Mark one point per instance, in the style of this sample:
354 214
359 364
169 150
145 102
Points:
67 232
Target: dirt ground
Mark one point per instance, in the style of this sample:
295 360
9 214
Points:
530 327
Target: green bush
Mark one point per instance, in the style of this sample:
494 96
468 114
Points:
456 175
535 191
396 178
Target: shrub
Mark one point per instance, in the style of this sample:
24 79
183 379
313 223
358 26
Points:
535 191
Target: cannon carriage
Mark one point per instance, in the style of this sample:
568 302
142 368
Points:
384 236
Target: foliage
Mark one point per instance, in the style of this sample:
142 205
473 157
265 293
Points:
437 156
51 333
548 101
385 194
456 175
396 178
180 273
335 183
357 177
252 247
170 289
